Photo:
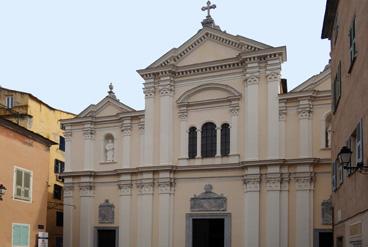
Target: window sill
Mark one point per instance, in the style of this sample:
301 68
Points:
233 158
108 162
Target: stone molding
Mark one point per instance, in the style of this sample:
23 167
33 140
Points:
252 182
145 187
166 185
68 190
126 128
303 181
208 201
87 189
285 179
183 115
125 188
149 92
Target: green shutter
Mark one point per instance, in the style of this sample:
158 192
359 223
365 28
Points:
20 235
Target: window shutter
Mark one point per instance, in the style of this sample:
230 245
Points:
359 143
56 166
27 185
20 235
24 235
18 183
334 176
16 235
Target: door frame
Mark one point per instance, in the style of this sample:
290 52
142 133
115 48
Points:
189 226
115 228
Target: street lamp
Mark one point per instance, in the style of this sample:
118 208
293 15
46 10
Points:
345 159
2 191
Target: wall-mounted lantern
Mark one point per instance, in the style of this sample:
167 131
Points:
2 191
345 159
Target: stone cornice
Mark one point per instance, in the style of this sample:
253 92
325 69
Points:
312 94
214 66
229 166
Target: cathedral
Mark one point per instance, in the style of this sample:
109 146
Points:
222 155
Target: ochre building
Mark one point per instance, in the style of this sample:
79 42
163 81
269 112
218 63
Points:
221 155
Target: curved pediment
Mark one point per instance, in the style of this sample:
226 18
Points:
212 92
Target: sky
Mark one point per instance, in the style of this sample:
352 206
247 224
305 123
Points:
67 52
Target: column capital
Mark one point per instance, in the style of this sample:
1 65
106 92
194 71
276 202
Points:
149 92
89 133
68 134
183 115
305 109
273 76
145 186
252 80
125 188
68 190
252 182
234 110
273 182
126 128
282 111
166 185
166 90
303 181
87 189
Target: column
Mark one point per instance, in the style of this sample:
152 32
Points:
284 207
273 83
68 148
89 138
234 110
141 140
166 190
304 186
87 194
125 189
149 114
251 112
199 144
273 180
166 121
282 129
218 141
126 128
251 202
305 128
183 116
145 207
68 212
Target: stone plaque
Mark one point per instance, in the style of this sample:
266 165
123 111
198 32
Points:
106 213
326 212
208 201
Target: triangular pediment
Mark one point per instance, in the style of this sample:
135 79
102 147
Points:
109 106
208 45
319 82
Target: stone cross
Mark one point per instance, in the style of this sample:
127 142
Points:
208 8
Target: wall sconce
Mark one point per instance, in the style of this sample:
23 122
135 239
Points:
2 191
345 159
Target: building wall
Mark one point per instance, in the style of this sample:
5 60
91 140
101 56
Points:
349 200
44 120
17 150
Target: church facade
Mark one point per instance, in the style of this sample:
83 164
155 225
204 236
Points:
221 155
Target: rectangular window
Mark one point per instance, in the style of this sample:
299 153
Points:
336 88
20 235
9 101
22 184
58 191
59 218
62 143
59 166
359 143
352 44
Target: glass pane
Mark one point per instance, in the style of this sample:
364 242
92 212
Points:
26 193
27 180
18 192
19 178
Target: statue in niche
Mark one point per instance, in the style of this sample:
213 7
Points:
109 149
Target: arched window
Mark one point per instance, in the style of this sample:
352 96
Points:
192 143
225 139
208 140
